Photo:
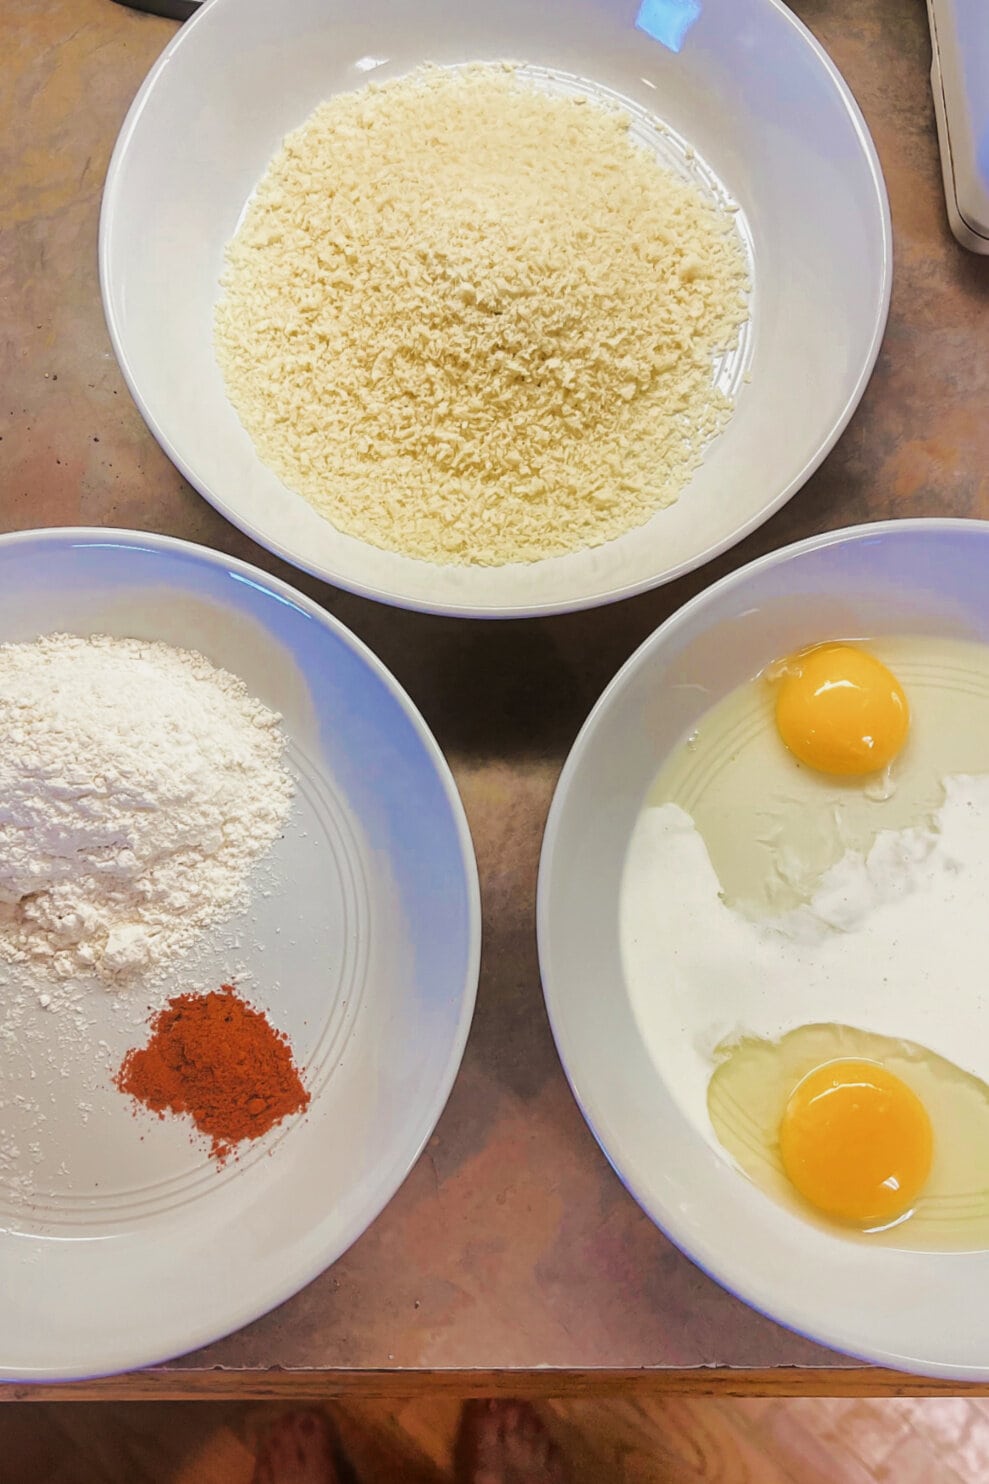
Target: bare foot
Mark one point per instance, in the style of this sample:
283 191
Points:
505 1443
297 1449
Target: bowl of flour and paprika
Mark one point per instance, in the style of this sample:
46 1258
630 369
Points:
238 913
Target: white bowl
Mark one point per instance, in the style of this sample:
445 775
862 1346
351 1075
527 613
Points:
121 1243
925 1312
749 90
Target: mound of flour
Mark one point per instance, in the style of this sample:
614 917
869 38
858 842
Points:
138 786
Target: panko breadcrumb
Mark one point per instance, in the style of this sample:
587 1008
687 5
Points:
473 321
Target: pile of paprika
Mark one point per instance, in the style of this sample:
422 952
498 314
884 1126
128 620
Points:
219 1060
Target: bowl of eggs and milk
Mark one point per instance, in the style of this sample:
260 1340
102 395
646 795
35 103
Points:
764 931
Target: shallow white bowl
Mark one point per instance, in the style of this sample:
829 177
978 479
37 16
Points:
120 1242
921 1312
749 89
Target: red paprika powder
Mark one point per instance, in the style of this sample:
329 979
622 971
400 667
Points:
216 1058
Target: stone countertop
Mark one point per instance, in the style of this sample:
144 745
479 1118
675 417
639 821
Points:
512 1248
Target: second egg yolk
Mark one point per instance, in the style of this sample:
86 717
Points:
839 710
856 1142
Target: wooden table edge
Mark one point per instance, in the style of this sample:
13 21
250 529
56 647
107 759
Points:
219 1384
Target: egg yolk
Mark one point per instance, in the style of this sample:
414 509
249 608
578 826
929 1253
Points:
839 710
856 1142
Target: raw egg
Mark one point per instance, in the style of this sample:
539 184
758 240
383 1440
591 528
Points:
872 1135
856 1142
839 710
773 826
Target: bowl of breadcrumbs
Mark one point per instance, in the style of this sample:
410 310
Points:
495 311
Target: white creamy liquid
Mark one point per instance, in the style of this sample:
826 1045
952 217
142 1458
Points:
894 940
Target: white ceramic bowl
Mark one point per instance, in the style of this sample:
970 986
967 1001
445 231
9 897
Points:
120 1242
922 1312
746 86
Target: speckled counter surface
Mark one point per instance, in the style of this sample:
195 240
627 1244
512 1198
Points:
512 1251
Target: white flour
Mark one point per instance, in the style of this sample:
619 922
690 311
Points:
138 786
